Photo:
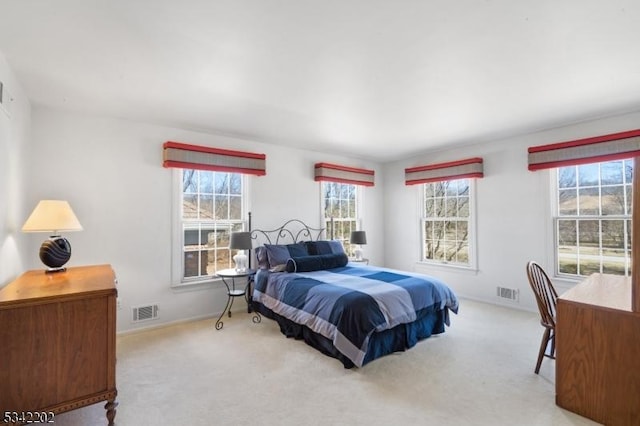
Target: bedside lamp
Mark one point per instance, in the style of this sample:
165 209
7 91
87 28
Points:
53 216
240 241
358 238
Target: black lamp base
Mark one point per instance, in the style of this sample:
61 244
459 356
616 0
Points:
55 252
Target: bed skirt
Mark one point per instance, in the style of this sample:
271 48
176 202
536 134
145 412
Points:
396 339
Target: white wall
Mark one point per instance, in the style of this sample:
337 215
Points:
111 173
513 213
14 145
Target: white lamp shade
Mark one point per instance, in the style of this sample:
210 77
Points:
52 216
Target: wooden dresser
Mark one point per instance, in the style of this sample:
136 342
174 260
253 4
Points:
58 343
598 351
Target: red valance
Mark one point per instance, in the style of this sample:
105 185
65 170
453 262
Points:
461 169
343 174
187 156
615 146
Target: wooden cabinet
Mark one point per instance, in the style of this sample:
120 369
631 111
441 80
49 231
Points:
58 342
598 351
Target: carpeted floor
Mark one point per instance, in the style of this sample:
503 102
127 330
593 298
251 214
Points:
479 372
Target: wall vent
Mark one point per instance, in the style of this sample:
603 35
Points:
145 313
508 293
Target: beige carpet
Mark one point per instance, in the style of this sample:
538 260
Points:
480 372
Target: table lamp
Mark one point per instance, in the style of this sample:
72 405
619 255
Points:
240 241
53 216
358 238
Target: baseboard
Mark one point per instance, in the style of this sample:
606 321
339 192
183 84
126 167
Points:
516 306
166 324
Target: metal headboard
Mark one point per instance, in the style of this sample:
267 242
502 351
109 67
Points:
292 231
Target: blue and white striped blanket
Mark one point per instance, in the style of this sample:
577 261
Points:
347 304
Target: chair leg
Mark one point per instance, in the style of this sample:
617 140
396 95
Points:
543 348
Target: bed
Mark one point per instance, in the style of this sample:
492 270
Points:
350 311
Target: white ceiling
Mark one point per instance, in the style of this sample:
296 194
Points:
381 79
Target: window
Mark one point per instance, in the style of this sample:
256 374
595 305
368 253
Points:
446 222
340 201
212 205
593 218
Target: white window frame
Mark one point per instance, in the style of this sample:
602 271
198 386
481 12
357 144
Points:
358 218
471 238
555 217
177 240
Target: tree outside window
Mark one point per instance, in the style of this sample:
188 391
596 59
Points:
212 208
593 222
446 222
340 211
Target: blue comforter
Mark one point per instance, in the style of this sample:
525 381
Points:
348 304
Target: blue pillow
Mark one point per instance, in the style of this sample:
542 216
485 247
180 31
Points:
297 250
336 247
278 254
318 262
325 247
261 256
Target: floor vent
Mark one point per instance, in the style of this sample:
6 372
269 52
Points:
145 313
508 293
